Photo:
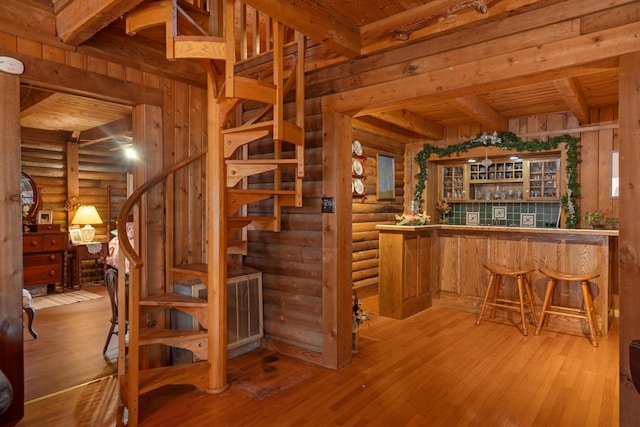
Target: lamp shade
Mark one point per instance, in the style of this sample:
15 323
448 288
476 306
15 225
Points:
86 215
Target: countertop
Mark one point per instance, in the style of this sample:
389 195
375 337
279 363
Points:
502 229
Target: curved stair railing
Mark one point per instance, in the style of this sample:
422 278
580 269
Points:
133 380
229 168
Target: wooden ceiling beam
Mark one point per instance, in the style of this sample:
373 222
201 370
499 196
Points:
571 57
433 18
79 20
116 128
55 76
572 94
479 110
412 122
315 20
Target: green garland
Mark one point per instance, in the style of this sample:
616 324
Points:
510 141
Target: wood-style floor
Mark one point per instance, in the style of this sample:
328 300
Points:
433 369
68 351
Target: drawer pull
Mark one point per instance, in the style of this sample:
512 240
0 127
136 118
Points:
53 242
52 257
52 273
34 243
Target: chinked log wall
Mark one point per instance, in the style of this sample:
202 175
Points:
291 261
45 157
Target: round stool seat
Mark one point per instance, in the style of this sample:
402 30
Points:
588 313
570 277
507 271
523 290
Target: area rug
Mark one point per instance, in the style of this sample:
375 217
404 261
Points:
55 300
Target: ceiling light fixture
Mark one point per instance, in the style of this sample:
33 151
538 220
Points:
130 153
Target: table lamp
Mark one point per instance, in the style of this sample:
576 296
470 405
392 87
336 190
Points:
87 215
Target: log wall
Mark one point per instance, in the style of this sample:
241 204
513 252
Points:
369 211
102 175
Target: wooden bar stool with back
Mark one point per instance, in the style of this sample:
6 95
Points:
523 286
588 313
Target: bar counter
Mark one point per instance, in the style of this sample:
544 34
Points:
442 265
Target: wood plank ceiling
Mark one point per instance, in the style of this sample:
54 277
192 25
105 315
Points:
356 29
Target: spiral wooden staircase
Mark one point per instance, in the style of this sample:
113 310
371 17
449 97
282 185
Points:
228 170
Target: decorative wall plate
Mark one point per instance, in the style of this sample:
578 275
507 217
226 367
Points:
358 186
357 167
356 148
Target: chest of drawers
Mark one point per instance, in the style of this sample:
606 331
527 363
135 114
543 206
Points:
44 258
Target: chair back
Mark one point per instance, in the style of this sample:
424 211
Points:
111 278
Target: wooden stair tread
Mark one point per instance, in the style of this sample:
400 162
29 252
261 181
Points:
256 90
172 300
240 219
167 336
262 161
258 191
291 132
266 125
207 47
152 379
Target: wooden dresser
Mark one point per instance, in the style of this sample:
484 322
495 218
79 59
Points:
44 258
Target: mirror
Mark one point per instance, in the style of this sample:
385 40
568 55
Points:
29 199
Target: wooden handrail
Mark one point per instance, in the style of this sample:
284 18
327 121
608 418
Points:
121 222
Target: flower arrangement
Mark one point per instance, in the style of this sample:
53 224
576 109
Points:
71 204
443 207
359 316
596 219
413 219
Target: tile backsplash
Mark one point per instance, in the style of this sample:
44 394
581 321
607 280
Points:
546 213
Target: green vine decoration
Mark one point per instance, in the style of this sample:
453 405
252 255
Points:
510 141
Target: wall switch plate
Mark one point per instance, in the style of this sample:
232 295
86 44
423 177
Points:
328 205
11 65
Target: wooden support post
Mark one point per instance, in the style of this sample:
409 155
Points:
629 131
336 239
73 179
217 243
11 278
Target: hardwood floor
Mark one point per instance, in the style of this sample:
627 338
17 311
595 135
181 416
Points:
68 351
435 368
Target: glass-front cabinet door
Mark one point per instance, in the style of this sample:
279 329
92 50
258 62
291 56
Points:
544 179
453 182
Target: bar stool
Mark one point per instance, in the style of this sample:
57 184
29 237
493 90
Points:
497 272
588 313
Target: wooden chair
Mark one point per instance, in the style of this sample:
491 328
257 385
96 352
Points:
27 306
497 272
111 280
588 313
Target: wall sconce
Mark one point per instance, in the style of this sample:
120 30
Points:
87 215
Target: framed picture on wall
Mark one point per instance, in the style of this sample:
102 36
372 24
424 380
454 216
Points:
386 188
